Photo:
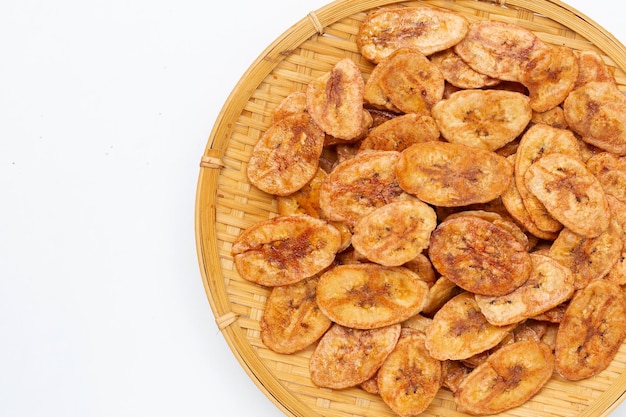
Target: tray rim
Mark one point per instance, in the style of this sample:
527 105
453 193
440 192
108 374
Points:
210 164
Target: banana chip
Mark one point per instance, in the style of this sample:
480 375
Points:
459 330
591 67
452 175
346 357
508 378
610 170
285 249
591 331
367 295
292 320
479 256
395 233
458 73
286 156
427 29
410 377
292 104
486 119
400 132
549 285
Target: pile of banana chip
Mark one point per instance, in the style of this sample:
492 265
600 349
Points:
454 220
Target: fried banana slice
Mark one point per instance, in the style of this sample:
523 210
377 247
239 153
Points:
399 133
554 117
498 49
597 112
549 285
294 103
292 320
592 68
610 170
410 81
507 379
373 94
452 175
550 76
570 193
346 357
440 293
427 29
458 73
395 233
286 156
359 185
540 140
367 295
589 259
285 249
479 256
335 100
410 377
591 331
305 200
459 330
486 119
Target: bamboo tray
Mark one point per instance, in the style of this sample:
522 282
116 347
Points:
226 203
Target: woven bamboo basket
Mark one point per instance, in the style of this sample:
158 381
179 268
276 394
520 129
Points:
226 203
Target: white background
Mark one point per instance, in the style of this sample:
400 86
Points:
105 110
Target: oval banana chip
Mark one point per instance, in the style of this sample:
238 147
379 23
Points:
335 100
367 295
346 357
357 186
597 112
589 259
409 378
294 103
286 156
549 285
507 379
427 29
395 233
498 49
479 256
285 249
292 320
591 67
570 193
610 170
486 119
400 132
459 330
451 175
458 73
591 331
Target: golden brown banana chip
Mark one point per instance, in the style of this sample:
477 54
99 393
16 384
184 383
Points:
305 200
458 73
479 256
410 377
570 193
425 28
286 156
498 49
549 285
610 170
399 133
395 233
591 331
550 76
335 100
373 94
367 295
597 112
540 140
507 379
294 103
292 320
554 117
459 330
345 357
410 81
591 67
359 185
452 175
589 259
486 119
285 249
439 294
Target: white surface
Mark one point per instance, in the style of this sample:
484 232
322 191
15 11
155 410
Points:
105 108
